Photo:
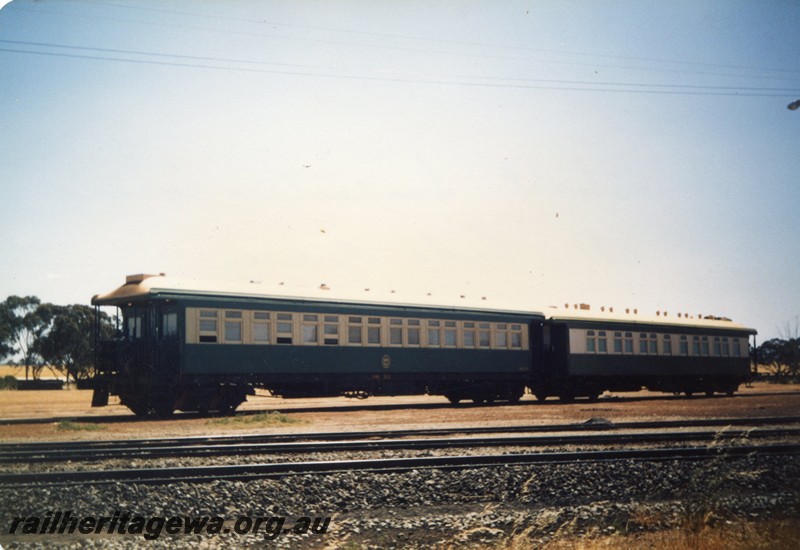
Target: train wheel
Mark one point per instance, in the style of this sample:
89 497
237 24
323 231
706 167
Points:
709 393
454 399
566 397
227 410
688 393
162 410
137 409
540 396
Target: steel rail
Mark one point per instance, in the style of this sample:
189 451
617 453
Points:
530 402
271 470
93 454
594 425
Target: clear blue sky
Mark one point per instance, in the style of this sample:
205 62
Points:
621 153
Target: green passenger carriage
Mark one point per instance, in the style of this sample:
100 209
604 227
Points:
206 349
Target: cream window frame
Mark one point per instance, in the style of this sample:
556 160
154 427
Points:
602 336
683 343
412 324
616 340
208 333
472 329
294 323
519 332
449 327
380 325
666 345
628 343
328 321
359 325
395 324
432 326
236 318
485 328
256 322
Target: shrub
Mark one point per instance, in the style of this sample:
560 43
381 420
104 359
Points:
8 382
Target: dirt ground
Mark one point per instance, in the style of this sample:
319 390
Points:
380 413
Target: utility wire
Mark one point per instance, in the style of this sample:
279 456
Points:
564 85
410 49
218 17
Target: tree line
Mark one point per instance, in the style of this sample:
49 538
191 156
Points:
44 335
780 357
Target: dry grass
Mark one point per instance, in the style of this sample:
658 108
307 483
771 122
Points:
384 413
766 535
273 418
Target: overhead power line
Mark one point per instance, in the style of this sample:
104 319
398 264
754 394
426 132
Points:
289 69
259 31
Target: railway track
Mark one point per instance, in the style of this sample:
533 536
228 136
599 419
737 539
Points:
195 474
92 453
261 443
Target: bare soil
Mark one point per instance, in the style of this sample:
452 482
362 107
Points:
381 413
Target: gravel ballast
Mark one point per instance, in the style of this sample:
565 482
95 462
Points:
430 508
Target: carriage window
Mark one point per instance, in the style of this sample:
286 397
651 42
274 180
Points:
395 332
590 341
501 333
483 335
283 329
643 343
717 347
450 334
233 326
374 330
169 325
330 330
726 347
310 328
413 332
208 326
735 347
628 342
434 335
309 334
653 344
469 334
516 336
602 343
704 345
354 327
666 346
134 327
261 327
617 342
684 345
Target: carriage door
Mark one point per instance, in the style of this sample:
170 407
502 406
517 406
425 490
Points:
168 338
